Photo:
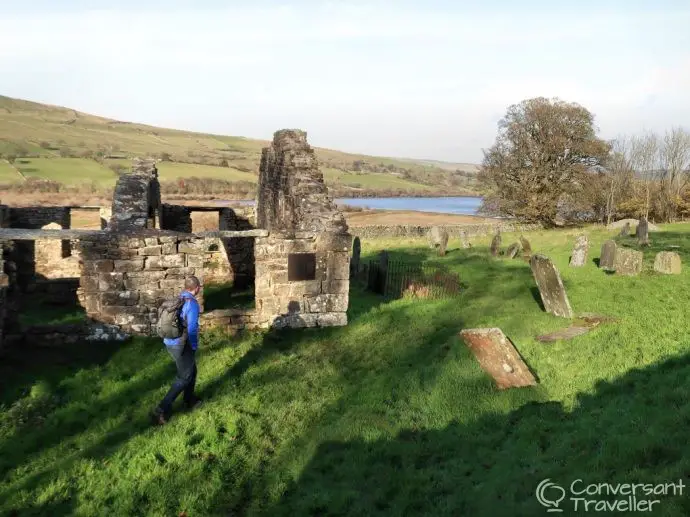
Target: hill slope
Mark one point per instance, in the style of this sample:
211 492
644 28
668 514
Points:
70 147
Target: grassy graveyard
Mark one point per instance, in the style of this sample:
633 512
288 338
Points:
391 415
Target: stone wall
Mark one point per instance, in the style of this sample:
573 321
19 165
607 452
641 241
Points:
176 218
454 230
321 301
292 195
36 217
136 199
125 276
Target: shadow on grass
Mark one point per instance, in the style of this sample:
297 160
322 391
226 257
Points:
492 466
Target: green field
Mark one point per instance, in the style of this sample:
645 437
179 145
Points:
7 173
388 416
28 128
70 171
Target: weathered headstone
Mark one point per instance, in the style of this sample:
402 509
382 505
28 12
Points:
563 334
496 244
625 231
498 357
436 236
667 262
513 250
550 286
526 247
628 262
580 250
354 261
608 256
642 232
463 239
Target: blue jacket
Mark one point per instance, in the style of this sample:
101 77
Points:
190 315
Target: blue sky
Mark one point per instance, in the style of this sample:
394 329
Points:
416 79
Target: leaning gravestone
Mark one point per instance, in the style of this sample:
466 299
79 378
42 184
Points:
628 262
550 286
496 244
354 261
580 250
498 357
513 250
625 231
608 256
526 247
642 232
667 262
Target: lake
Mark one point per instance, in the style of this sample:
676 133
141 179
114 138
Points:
444 205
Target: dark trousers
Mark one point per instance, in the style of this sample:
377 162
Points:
184 382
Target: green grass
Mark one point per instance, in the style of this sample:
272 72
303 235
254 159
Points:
227 296
70 171
7 173
171 171
390 415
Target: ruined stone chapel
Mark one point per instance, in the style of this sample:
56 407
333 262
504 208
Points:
293 251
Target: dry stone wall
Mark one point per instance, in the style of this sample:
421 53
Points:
453 230
321 300
36 217
136 199
292 195
126 276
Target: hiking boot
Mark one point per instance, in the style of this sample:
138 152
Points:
158 417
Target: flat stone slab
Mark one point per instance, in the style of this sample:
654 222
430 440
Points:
592 319
550 286
563 334
585 322
498 357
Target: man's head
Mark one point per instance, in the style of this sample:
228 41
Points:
192 284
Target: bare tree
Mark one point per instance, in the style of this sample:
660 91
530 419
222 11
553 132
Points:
644 158
674 160
620 174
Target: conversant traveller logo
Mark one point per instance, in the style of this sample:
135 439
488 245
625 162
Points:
605 497
551 499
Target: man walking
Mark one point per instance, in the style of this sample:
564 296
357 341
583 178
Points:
182 350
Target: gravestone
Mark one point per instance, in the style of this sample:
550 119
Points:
580 250
378 273
496 244
608 256
625 231
667 262
550 286
642 232
526 247
437 236
498 357
628 262
463 239
444 243
513 250
354 261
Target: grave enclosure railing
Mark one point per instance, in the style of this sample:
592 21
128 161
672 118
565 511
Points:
398 279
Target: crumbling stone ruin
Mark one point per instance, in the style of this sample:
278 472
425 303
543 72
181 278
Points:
296 258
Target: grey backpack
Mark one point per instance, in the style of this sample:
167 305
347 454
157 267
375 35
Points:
170 324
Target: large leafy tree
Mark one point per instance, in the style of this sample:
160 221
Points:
544 151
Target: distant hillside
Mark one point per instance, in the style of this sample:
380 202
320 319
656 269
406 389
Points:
73 148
